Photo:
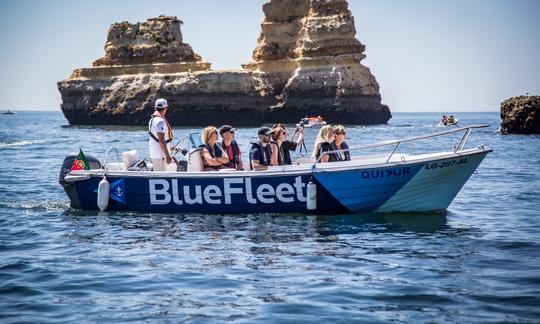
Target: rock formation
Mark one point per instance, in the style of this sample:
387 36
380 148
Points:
521 115
308 51
307 62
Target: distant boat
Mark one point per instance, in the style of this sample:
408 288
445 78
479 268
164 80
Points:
449 122
312 121
8 112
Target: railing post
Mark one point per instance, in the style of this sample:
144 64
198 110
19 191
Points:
463 140
395 148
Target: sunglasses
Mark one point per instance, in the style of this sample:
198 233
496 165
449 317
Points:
339 133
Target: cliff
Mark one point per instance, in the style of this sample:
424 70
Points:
307 62
521 115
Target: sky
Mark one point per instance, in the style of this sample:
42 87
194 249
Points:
427 55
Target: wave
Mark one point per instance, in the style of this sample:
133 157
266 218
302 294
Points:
20 143
51 205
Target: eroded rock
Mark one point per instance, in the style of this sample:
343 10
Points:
158 40
307 62
521 115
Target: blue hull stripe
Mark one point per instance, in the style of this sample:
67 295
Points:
277 194
366 190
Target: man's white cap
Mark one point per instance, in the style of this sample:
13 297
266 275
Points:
161 103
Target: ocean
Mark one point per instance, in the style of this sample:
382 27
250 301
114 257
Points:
477 262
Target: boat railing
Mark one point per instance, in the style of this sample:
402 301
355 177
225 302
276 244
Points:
110 148
398 142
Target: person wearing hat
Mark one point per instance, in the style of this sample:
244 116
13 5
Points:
260 155
230 146
160 133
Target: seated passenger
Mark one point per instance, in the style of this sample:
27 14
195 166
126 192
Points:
323 143
260 154
281 146
451 119
444 120
340 144
212 155
230 146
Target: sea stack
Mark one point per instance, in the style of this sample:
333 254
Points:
521 115
307 62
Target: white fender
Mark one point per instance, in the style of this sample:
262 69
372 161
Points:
311 196
103 194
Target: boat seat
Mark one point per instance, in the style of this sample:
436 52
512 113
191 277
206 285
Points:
114 166
195 163
129 158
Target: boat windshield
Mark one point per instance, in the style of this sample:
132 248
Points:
194 140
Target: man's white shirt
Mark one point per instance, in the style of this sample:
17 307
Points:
157 125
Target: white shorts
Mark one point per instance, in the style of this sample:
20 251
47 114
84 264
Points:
159 164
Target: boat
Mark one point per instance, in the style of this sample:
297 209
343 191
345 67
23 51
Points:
390 182
8 112
311 122
454 123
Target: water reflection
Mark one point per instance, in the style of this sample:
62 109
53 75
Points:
421 223
260 228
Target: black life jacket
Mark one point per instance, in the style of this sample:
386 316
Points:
280 153
235 159
215 153
326 147
266 156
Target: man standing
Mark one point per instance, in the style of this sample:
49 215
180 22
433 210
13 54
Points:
230 146
260 154
160 134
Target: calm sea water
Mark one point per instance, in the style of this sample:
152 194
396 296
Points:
478 262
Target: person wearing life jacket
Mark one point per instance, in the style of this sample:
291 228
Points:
230 146
260 155
160 134
444 120
340 144
323 143
281 146
212 155
451 119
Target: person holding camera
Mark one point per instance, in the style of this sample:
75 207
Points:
281 146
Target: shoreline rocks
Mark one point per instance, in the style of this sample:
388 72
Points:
307 62
520 115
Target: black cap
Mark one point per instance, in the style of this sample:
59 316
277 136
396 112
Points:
264 131
226 128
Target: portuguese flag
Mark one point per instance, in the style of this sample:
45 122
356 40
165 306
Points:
81 163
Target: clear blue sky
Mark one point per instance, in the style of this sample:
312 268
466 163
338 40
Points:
462 55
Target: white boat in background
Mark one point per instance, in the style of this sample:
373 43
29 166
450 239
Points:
454 123
312 122
391 182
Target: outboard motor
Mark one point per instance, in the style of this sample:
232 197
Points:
66 168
